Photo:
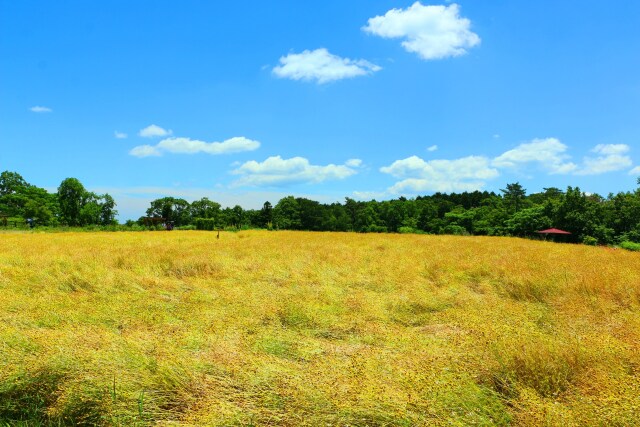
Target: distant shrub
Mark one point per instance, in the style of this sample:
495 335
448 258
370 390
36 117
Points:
630 246
630 236
456 230
187 227
375 229
205 224
408 230
588 240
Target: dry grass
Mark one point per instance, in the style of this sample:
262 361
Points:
294 328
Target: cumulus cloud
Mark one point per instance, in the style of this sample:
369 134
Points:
471 173
120 135
153 131
464 174
192 146
276 171
322 67
610 158
145 151
40 109
549 153
433 32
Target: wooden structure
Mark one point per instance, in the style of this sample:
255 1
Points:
4 222
553 232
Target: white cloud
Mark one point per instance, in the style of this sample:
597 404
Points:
145 151
433 32
551 155
611 158
154 131
353 163
464 174
610 149
276 171
418 185
40 109
370 195
120 135
192 146
432 148
470 173
548 152
321 66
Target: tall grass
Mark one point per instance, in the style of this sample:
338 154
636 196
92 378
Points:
295 328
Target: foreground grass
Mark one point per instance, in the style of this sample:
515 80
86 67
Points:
294 328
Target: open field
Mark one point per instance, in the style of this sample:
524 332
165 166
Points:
295 328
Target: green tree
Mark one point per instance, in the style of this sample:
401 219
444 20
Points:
205 208
528 221
172 209
237 216
286 214
90 210
11 182
107 210
265 218
71 196
514 195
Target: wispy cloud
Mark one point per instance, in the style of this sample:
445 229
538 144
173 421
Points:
354 163
432 148
120 135
276 171
609 158
40 109
145 151
322 67
153 131
192 146
433 32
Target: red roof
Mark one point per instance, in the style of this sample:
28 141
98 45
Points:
552 231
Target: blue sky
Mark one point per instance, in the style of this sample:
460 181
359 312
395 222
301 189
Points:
249 101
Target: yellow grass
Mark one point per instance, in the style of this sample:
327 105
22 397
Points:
295 328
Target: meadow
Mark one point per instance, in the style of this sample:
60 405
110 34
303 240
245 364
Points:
299 328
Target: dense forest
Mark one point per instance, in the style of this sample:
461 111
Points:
591 218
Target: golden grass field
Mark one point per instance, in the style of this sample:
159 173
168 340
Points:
318 329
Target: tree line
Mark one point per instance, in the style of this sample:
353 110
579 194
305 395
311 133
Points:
71 205
590 218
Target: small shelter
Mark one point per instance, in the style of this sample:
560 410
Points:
553 232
